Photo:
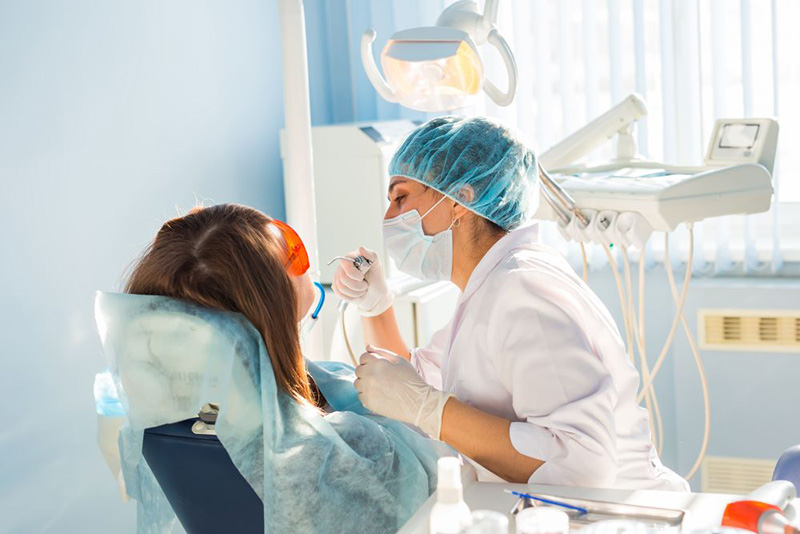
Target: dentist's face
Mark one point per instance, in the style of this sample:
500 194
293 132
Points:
406 195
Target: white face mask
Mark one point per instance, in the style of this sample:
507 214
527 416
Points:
427 257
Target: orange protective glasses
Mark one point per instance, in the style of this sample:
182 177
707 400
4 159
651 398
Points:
297 257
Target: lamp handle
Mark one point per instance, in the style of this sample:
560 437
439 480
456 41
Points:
500 98
371 69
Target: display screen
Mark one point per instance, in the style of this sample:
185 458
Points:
739 136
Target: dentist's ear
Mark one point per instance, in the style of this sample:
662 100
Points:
465 195
458 213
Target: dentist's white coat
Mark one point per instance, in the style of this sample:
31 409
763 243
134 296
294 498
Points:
530 342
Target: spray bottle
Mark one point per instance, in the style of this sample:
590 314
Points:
450 514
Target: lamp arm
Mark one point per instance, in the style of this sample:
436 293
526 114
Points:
371 68
490 12
499 97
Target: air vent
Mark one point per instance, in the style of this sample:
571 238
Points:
740 476
750 330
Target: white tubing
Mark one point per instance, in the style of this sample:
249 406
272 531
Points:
642 258
651 399
700 369
647 384
636 330
659 419
342 310
622 300
585 263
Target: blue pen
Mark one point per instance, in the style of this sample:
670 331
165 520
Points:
548 501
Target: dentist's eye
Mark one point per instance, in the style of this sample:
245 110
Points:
399 199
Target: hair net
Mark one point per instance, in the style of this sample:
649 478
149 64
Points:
342 471
477 163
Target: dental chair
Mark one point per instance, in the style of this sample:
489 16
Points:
203 486
168 357
788 467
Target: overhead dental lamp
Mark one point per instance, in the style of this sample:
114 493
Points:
438 68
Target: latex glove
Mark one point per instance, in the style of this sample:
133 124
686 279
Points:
368 291
389 385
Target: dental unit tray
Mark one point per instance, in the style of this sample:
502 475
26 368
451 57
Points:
735 178
602 511
667 197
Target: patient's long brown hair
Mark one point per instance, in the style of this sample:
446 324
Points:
224 257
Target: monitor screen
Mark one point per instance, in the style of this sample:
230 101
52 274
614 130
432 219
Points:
738 136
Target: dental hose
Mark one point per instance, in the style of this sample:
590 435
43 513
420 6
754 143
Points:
315 313
308 325
362 264
342 310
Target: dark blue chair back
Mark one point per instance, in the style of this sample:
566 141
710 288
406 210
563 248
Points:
203 486
788 467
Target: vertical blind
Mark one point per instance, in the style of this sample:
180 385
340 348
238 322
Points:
692 61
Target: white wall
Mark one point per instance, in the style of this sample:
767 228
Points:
112 114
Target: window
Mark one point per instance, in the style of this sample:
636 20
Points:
693 61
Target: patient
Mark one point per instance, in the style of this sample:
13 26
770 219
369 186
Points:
311 468
235 258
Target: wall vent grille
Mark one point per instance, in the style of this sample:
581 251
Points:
750 330
722 474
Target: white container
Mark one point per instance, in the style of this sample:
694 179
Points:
542 520
488 522
450 514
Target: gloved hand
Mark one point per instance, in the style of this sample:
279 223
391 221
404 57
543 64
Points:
389 385
369 291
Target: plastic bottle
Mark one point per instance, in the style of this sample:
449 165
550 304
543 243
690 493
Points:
450 514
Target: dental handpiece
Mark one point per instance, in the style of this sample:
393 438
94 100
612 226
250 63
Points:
360 262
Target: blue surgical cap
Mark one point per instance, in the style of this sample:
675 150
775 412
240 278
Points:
476 162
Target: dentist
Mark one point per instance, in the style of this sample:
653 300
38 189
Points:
530 379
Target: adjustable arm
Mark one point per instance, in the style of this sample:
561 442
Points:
561 201
371 68
500 98
604 127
